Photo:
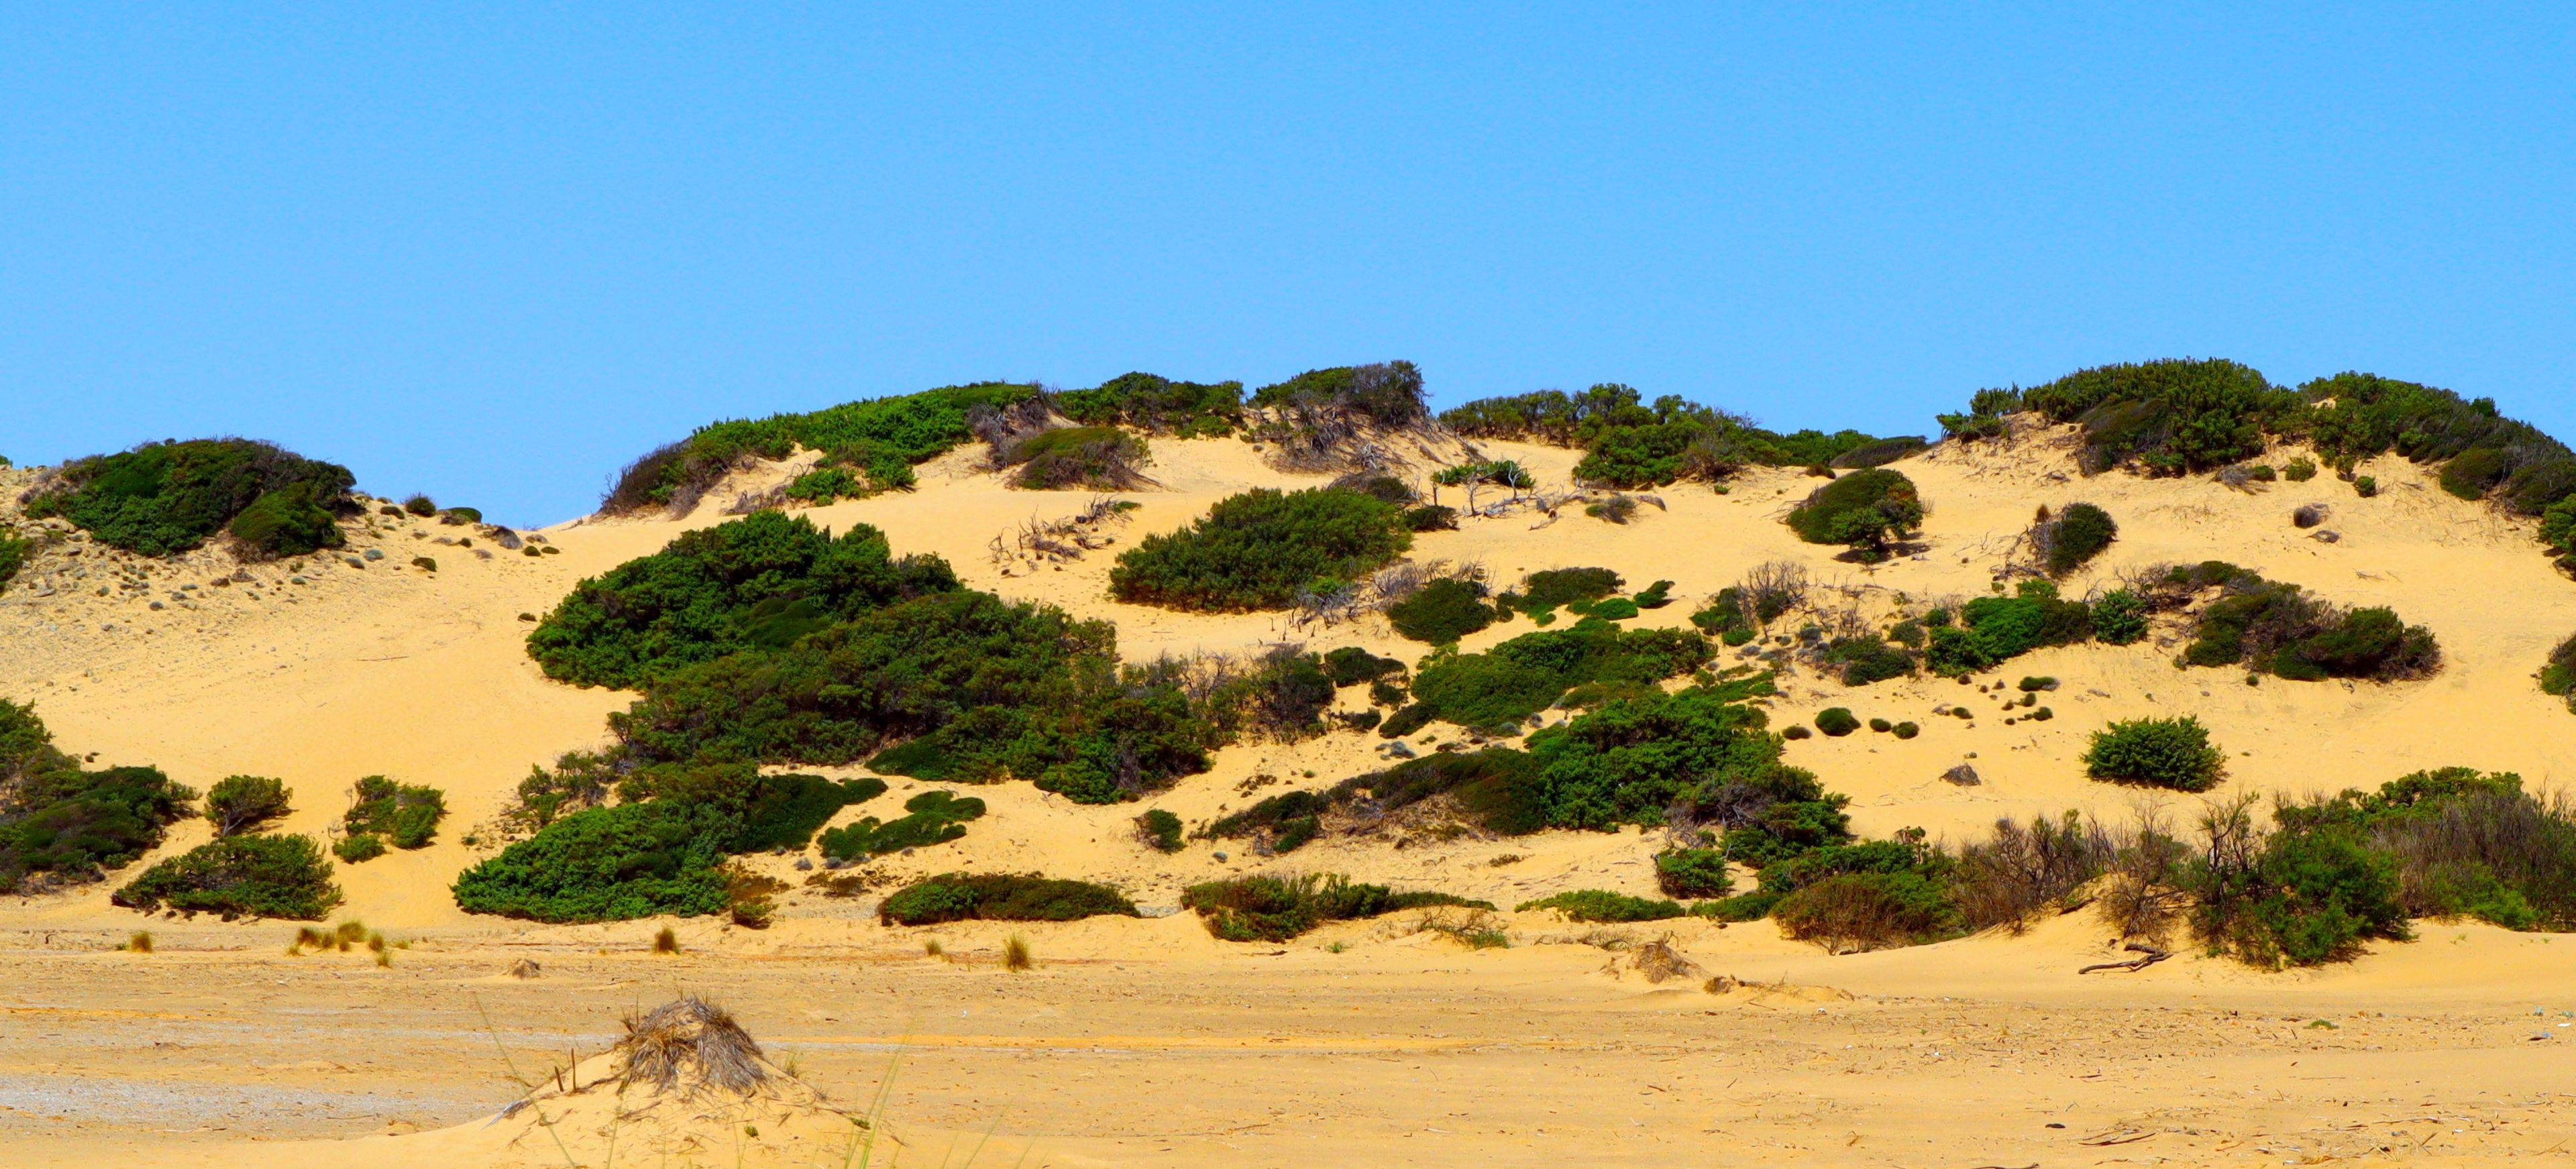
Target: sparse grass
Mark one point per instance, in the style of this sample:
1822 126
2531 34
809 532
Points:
1015 953
140 942
666 941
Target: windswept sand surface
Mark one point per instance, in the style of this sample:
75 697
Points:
1148 1043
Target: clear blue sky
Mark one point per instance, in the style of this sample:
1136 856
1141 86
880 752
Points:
493 252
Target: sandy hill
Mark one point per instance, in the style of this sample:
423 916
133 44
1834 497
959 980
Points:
322 669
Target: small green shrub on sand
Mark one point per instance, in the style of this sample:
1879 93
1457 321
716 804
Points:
1836 721
1693 873
239 803
240 876
1601 905
2071 538
933 817
1160 830
998 897
404 815
1442 611
1276 909
1867 510
2170 753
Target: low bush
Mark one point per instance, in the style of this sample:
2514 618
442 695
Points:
1993 630
1836 721
2120 618
239 803
1633 759
1431 517
2071 538
2277 628
406 816
2299 469
756 583
168 497
363 846
1351 665
880 434
1503 687
1102 458
1601 905
1853 912
999 897
1618 509
2173 753
2464 844
1261 549
2022 871
240 876
62 825
933 817
1867 510
2165 417
1860 661
1693 873
15 552
2558 673
1276 909
1158 404
1160 830
1442 611
1387 393
1543 591
950 686
2295 897
607 864
1906 730
1630 443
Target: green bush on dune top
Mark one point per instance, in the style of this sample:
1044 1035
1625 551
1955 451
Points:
168 497
1261 549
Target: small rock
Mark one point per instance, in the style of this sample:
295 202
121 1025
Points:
375 553
1963 775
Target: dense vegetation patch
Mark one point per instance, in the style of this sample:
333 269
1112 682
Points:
1261 549
1989 631
2071 538
1389 393
1276 909
933 817
400 814
1504 686
881 438
1103 458
1000 897
2157 752
1868 510
1495 789
60 824
607 864
1159 404
1629 443
239 803
240 876
2277 628
168 497
1602 905
759 582
1442 611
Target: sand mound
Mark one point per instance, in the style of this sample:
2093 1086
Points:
686 1085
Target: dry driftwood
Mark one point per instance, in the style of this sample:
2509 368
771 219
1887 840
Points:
2153 956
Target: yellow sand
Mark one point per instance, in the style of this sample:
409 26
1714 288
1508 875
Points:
1147 1042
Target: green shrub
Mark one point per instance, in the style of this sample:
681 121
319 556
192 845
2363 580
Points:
1613 609
1260 549
2558 673
1351 665
406 816
2120 618
1860 661
1102 458
2276 628
1276 909
2365 486
756 583
1405 721
1852 912
1741 907
293 520
1601 905
965 685
1389 393
2301 896
1549 588
1148 402
933 817
363 846
62 825
168 497
2170 753
1442 611
1654 596
1693 873
1632 758
2464 844
2300 469
901 431
1631 444
1867 510
1431 517
1520 677
2073 537
239 803
1283 697
1993 630
1836 721
237 876
2166 417
607 864
15 553
1160 830
1495 789
782 812
997 897
1906 730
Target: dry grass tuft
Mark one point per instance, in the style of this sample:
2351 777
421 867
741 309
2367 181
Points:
523 968
140 943
1015 953
689 1045
666 941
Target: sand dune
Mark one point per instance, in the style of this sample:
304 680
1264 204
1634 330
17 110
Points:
1148 1042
